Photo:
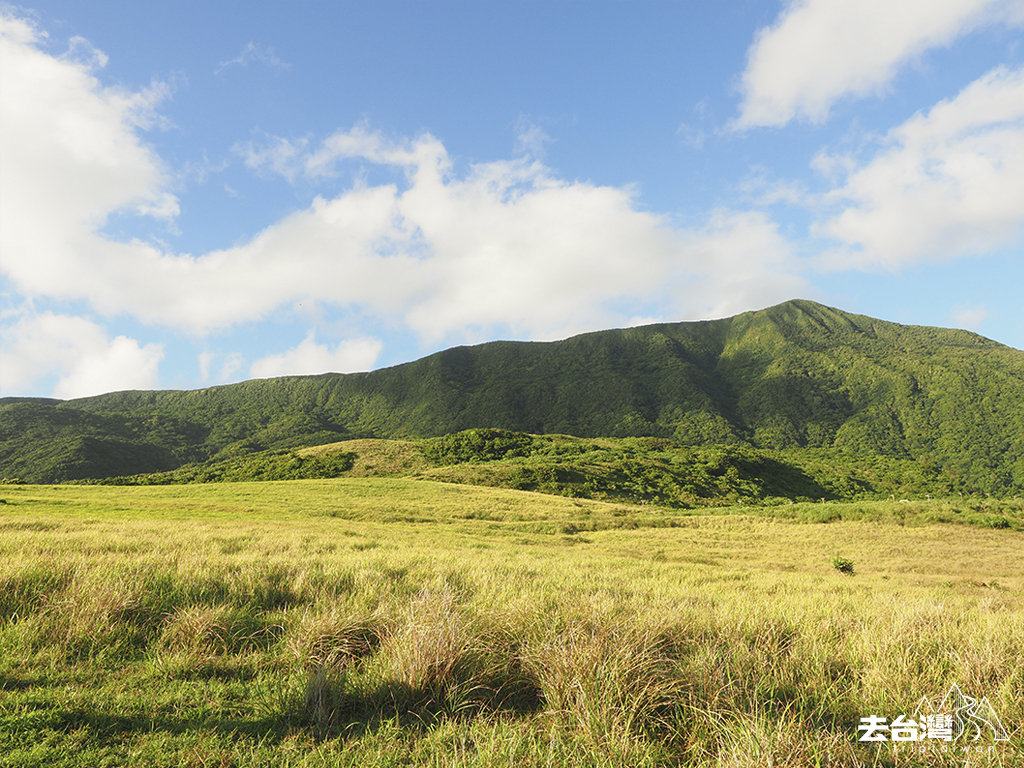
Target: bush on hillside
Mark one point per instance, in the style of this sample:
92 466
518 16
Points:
476 445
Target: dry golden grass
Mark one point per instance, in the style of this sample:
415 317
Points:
383 622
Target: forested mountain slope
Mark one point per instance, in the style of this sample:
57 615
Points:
795 375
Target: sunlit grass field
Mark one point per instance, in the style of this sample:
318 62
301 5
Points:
387 622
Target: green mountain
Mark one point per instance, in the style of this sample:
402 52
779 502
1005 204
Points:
796 376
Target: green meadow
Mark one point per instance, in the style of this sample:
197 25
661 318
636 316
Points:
375 621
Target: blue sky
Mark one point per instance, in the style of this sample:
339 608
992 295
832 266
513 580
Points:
196 193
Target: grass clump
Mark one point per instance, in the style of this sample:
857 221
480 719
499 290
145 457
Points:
444 659
614 683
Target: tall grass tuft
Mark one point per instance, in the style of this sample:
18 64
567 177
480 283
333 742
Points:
90 615
614 682
332 635
443 658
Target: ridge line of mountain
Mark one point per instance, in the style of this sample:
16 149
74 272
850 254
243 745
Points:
795 375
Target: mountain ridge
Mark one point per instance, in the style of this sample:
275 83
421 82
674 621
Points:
798 374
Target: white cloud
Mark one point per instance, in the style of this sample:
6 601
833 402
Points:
79 352
740 261
506 247
232 365
692 134
123 364
819 51
71 156
85 54
312 358
205 359
510 246
947 183
229 366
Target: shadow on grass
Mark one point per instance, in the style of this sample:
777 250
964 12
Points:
106 729
327 710
8 683
332 707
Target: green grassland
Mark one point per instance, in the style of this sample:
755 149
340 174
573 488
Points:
644 471
396 620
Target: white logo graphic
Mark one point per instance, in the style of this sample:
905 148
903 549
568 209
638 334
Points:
958 716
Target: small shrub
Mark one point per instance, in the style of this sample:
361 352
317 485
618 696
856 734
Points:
842 565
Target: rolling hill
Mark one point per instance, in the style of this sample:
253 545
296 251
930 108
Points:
795 376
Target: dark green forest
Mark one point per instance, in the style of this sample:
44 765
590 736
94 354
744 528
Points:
799 380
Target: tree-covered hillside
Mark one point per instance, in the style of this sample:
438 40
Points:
798 375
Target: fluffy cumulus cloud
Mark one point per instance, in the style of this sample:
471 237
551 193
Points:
503 248
79 353
311 358
71 156
819 51
945 183
506 245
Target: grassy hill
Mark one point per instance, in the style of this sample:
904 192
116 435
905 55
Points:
795 377
633 470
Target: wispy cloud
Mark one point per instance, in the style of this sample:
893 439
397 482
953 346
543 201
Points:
531 139
254 53
230 365
85 54
273 154
970 318
695 134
